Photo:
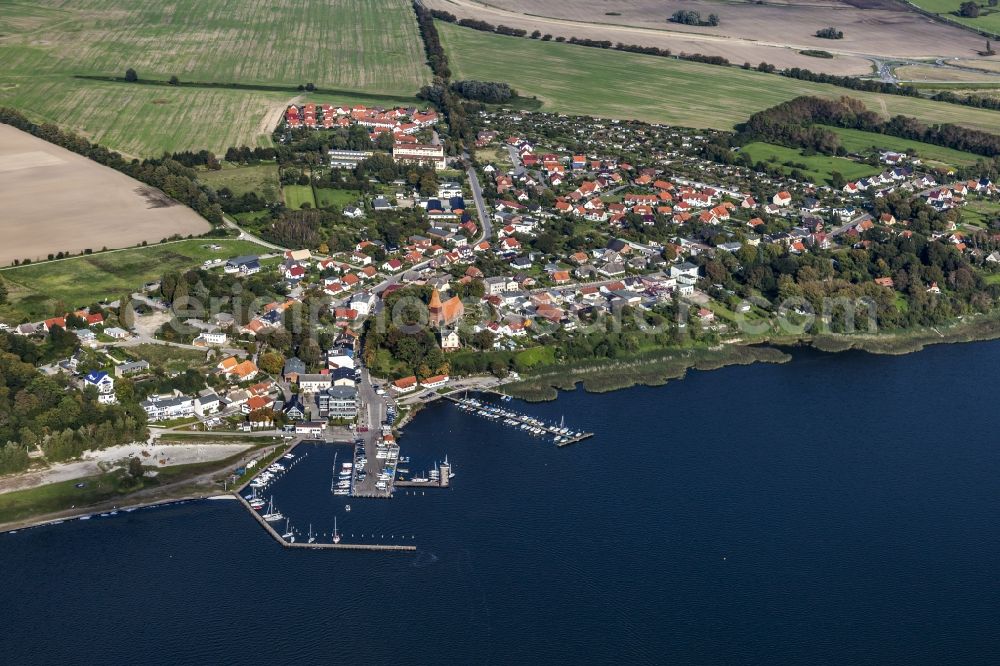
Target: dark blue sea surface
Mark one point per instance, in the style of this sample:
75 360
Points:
836 509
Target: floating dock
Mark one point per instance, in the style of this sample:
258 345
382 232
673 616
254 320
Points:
322 546
561 438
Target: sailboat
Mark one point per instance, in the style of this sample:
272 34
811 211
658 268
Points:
451 470
288 535
336 535
272 515
312 538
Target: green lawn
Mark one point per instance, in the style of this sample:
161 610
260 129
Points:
330 197
858 141
261 179
348 48
981 211
297 195
51 288
818 168
174 359
614 84
59 496
988 19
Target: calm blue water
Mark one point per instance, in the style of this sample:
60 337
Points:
837 509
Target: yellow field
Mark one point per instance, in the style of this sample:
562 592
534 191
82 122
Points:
54 200
924 73
773 32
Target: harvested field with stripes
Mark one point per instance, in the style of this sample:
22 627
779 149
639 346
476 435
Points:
348 49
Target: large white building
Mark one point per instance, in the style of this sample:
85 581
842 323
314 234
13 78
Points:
420 153
163 408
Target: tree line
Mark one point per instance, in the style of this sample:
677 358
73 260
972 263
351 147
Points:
689 17
439 92
792 124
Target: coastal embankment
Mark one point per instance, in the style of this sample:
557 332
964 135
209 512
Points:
658 367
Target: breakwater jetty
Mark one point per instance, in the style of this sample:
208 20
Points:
322 546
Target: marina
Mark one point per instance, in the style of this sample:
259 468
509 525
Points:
560 434
373 469
335 544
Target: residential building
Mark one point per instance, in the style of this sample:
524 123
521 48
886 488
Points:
105 385
132 368
164 408
338 402
416 153
313 383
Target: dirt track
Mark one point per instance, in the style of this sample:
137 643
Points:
747 32
54 200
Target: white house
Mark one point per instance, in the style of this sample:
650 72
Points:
212 338
163 408
686 268
207 403
313 383
105 385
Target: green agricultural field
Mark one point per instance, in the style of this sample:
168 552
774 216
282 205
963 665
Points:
348 48
261 179
858 141
982 212
614 84
988 19
818 168
326 197
298 195
51 288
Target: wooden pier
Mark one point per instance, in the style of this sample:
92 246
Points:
322 546
264 462
420 484
567 439
574 440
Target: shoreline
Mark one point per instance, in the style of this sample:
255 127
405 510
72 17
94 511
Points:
203 484
655 368
658 368
94 510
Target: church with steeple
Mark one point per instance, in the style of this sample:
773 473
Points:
445 313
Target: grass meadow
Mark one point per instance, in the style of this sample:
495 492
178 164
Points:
260 178
818 168
54 287
988 19
858 141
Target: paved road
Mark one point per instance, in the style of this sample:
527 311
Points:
250 237
844 227
371 415
516 160
485 226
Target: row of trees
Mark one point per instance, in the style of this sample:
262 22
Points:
688 17
439 93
